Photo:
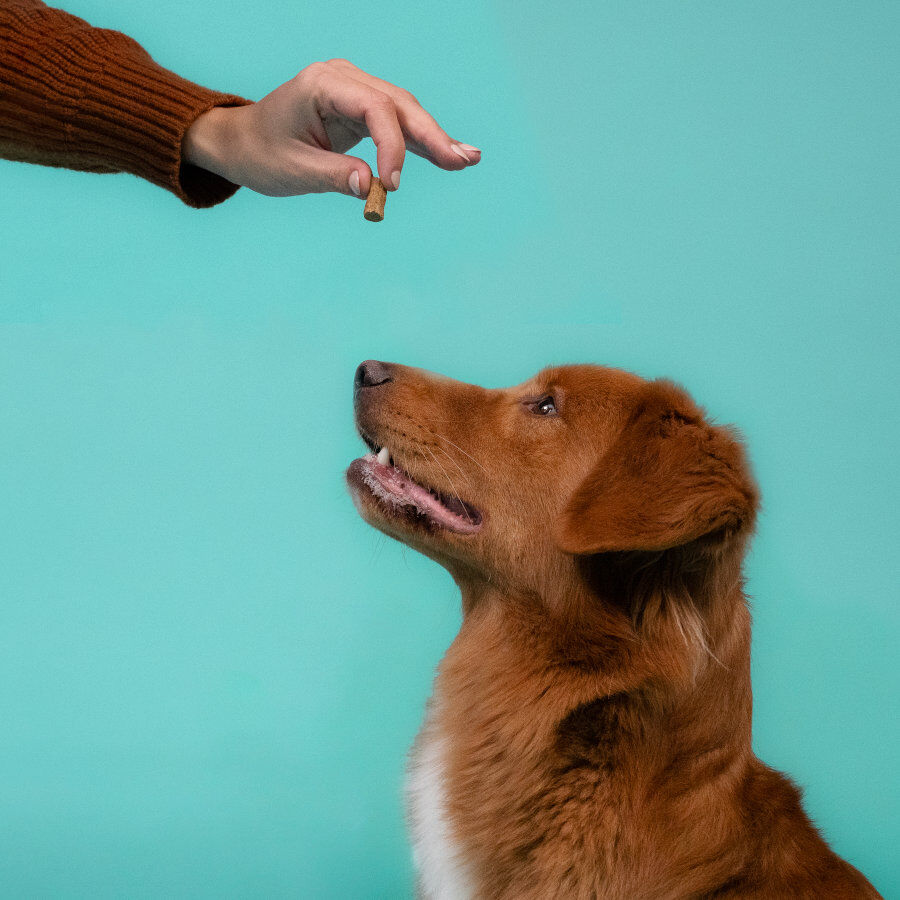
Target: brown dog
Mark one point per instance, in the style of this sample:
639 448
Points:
589 731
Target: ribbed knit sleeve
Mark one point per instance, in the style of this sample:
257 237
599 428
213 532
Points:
93 99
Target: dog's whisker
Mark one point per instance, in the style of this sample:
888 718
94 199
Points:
377 547
452 485
443 438
455 463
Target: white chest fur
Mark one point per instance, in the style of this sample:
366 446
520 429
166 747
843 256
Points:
441 871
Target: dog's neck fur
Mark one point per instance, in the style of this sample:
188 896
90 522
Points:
547 703
591 647
672 624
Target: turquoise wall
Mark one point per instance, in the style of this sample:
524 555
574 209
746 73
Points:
210 668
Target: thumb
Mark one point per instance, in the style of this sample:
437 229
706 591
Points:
322 171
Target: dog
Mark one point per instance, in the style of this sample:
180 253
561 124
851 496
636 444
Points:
588 735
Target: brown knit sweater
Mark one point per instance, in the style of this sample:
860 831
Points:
93 99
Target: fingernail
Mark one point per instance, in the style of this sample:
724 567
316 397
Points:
469 148
459 151
354 182
395 178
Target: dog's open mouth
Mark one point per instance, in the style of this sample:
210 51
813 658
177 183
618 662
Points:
400 494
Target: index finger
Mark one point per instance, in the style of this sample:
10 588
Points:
352 99
423 135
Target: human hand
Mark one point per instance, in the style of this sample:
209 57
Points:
294 140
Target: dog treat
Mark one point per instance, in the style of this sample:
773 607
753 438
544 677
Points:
374 210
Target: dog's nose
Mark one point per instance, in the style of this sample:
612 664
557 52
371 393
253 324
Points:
371 373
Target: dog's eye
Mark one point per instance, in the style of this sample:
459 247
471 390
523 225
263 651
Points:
543 407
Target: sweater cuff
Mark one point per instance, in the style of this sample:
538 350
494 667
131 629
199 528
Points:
137 112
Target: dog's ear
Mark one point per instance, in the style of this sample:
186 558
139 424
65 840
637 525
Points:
667 480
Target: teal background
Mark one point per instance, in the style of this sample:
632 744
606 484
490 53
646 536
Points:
210 669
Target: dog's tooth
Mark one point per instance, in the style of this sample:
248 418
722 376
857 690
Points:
384 456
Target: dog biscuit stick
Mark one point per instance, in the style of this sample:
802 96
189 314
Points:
374 210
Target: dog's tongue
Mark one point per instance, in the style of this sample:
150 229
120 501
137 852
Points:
395 487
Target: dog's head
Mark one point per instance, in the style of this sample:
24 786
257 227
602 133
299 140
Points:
520 485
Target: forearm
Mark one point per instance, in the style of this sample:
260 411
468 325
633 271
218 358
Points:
93 99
